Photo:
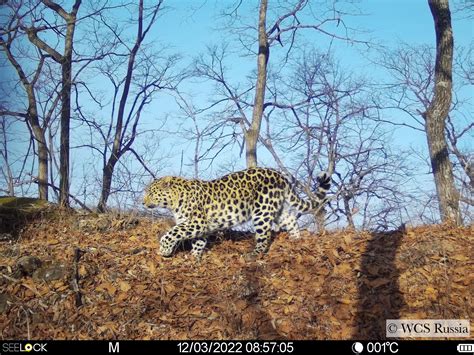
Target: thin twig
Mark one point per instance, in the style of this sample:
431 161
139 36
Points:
27 324
75 281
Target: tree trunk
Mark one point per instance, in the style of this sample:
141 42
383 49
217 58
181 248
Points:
4 153
320 218
118 149
107 174
115 154
437 112
39 137
66 67
64 149
42 167
37 132
252 134
348 213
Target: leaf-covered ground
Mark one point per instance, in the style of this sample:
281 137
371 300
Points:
339 285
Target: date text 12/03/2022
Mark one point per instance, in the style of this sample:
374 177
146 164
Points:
236 347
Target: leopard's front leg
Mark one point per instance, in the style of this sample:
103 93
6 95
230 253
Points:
180 232
198 245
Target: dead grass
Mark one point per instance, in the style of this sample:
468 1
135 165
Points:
339 285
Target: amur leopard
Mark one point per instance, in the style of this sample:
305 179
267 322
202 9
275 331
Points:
260 195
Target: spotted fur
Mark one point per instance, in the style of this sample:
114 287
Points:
263 196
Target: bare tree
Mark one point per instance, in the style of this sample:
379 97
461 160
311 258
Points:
65 60
146 73
465 158
459 124
4 154
251 134
324 118
283 30
9 34
230 105
437 112
412 69
210 136
32 36
316 117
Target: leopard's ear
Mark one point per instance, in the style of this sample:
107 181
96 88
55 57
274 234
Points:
166 181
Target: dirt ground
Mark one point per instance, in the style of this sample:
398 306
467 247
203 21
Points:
74 276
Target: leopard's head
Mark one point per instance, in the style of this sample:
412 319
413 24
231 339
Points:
163 192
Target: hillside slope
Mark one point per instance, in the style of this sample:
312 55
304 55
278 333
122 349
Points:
88 277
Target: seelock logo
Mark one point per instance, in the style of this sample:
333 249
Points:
16 347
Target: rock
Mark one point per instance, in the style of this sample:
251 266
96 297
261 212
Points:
137 250
94 223
5 237
104 222
50 272
124 223
28 264
4 299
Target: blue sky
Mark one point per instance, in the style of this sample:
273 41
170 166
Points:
391 20
387 21
188 26
384 22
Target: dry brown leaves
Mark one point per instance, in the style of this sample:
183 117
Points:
338 285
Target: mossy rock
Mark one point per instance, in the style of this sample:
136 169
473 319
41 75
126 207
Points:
15 211
28 264
5 299
50 272
22 204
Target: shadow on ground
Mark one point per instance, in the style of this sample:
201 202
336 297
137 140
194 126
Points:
379 295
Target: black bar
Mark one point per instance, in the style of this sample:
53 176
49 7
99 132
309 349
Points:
98 347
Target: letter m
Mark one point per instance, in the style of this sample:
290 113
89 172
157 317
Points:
114 348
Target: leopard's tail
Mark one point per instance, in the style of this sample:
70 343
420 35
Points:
324 183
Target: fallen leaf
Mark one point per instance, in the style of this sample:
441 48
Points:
345 300
460 257
124 286
107 286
